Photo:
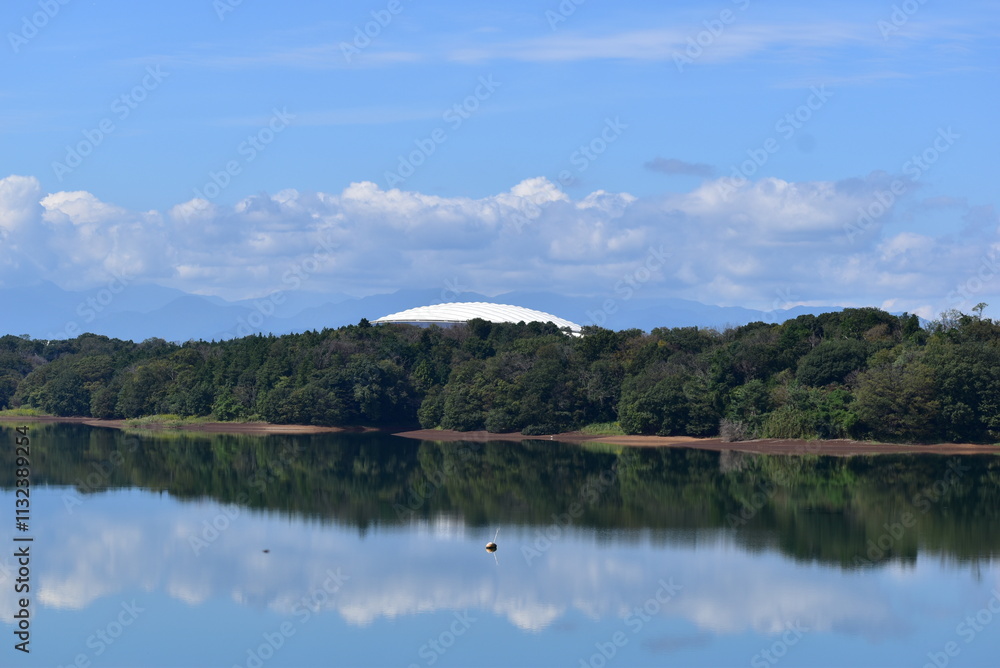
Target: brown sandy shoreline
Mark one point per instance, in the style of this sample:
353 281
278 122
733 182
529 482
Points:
765 446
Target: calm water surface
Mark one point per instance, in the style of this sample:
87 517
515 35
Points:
339 550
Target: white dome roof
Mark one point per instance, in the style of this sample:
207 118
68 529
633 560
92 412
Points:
455 312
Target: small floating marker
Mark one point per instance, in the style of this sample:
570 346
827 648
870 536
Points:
266 551
492 545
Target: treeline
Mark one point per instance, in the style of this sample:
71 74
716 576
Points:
856 373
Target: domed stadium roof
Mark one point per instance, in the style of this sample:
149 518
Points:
456 312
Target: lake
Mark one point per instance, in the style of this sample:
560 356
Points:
368 550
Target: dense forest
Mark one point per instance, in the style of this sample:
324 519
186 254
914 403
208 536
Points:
856 373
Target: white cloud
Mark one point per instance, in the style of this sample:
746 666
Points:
18 202
656 44
731 246
327 56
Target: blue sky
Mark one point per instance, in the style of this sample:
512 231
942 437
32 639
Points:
551 145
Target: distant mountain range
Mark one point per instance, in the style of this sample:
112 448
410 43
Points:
139 312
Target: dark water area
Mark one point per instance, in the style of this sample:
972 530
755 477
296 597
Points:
368 549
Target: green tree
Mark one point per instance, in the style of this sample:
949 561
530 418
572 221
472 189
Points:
895 400
831 362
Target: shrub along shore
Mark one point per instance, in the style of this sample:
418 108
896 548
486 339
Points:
853 375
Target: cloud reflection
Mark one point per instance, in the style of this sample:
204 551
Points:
120 542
